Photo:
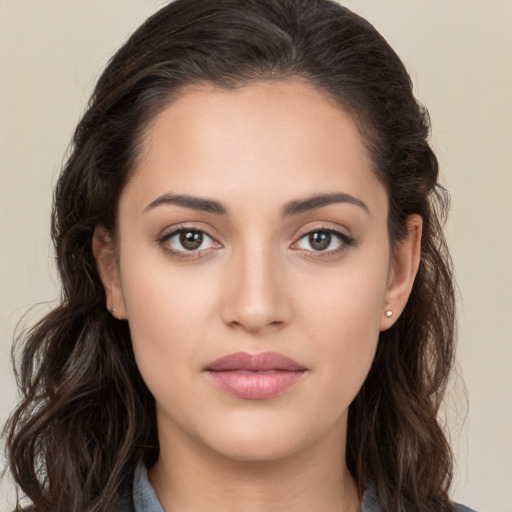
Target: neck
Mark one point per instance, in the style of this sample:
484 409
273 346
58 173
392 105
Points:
191 478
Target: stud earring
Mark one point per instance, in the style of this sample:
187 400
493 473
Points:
389 313
113 310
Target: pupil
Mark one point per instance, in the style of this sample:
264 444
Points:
191 239
320 240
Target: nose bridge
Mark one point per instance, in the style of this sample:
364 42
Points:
256 298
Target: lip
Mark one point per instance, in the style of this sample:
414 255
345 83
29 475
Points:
254 376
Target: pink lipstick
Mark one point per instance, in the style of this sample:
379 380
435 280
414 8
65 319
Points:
254 376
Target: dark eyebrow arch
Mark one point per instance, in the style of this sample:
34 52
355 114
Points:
292 208
314 202
195 203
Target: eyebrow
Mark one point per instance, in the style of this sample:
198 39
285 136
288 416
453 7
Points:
314 202
295 207
194 203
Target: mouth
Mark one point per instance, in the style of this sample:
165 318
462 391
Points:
254 376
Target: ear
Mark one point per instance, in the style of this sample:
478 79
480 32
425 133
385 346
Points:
104 251
402 272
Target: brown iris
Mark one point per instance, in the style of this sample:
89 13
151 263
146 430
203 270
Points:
320 240
191 240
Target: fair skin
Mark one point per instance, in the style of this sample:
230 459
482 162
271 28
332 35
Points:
256 282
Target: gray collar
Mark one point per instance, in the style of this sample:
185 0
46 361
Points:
144 497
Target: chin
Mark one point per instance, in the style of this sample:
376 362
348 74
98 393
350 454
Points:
260 441
261 450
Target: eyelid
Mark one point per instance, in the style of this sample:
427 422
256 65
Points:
183 254
346 240
323 226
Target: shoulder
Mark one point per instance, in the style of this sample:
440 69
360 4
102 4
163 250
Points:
138 494
461 508
125 503
371 503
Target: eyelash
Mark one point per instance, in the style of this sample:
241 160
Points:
346 242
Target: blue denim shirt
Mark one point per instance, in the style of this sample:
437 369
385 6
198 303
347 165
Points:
143 497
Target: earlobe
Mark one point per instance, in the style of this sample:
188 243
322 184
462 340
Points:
104 251
403 269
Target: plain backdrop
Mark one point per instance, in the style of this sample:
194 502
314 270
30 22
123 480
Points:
459 53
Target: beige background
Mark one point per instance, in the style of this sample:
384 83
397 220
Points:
459 54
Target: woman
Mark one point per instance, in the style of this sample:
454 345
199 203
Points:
257 308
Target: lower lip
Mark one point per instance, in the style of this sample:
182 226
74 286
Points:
254 385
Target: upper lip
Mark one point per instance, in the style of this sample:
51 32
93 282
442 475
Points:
264 361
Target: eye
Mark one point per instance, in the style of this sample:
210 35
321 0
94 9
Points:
325 240
186 240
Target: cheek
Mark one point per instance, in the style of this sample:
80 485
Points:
161 296
348 298
167 309
343 317
160 306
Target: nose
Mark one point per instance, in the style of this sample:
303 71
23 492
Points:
257 299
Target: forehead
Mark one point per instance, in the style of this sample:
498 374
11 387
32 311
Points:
266 138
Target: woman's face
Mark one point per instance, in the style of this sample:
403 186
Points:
252 233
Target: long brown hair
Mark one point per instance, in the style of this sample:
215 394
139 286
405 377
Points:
86 418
